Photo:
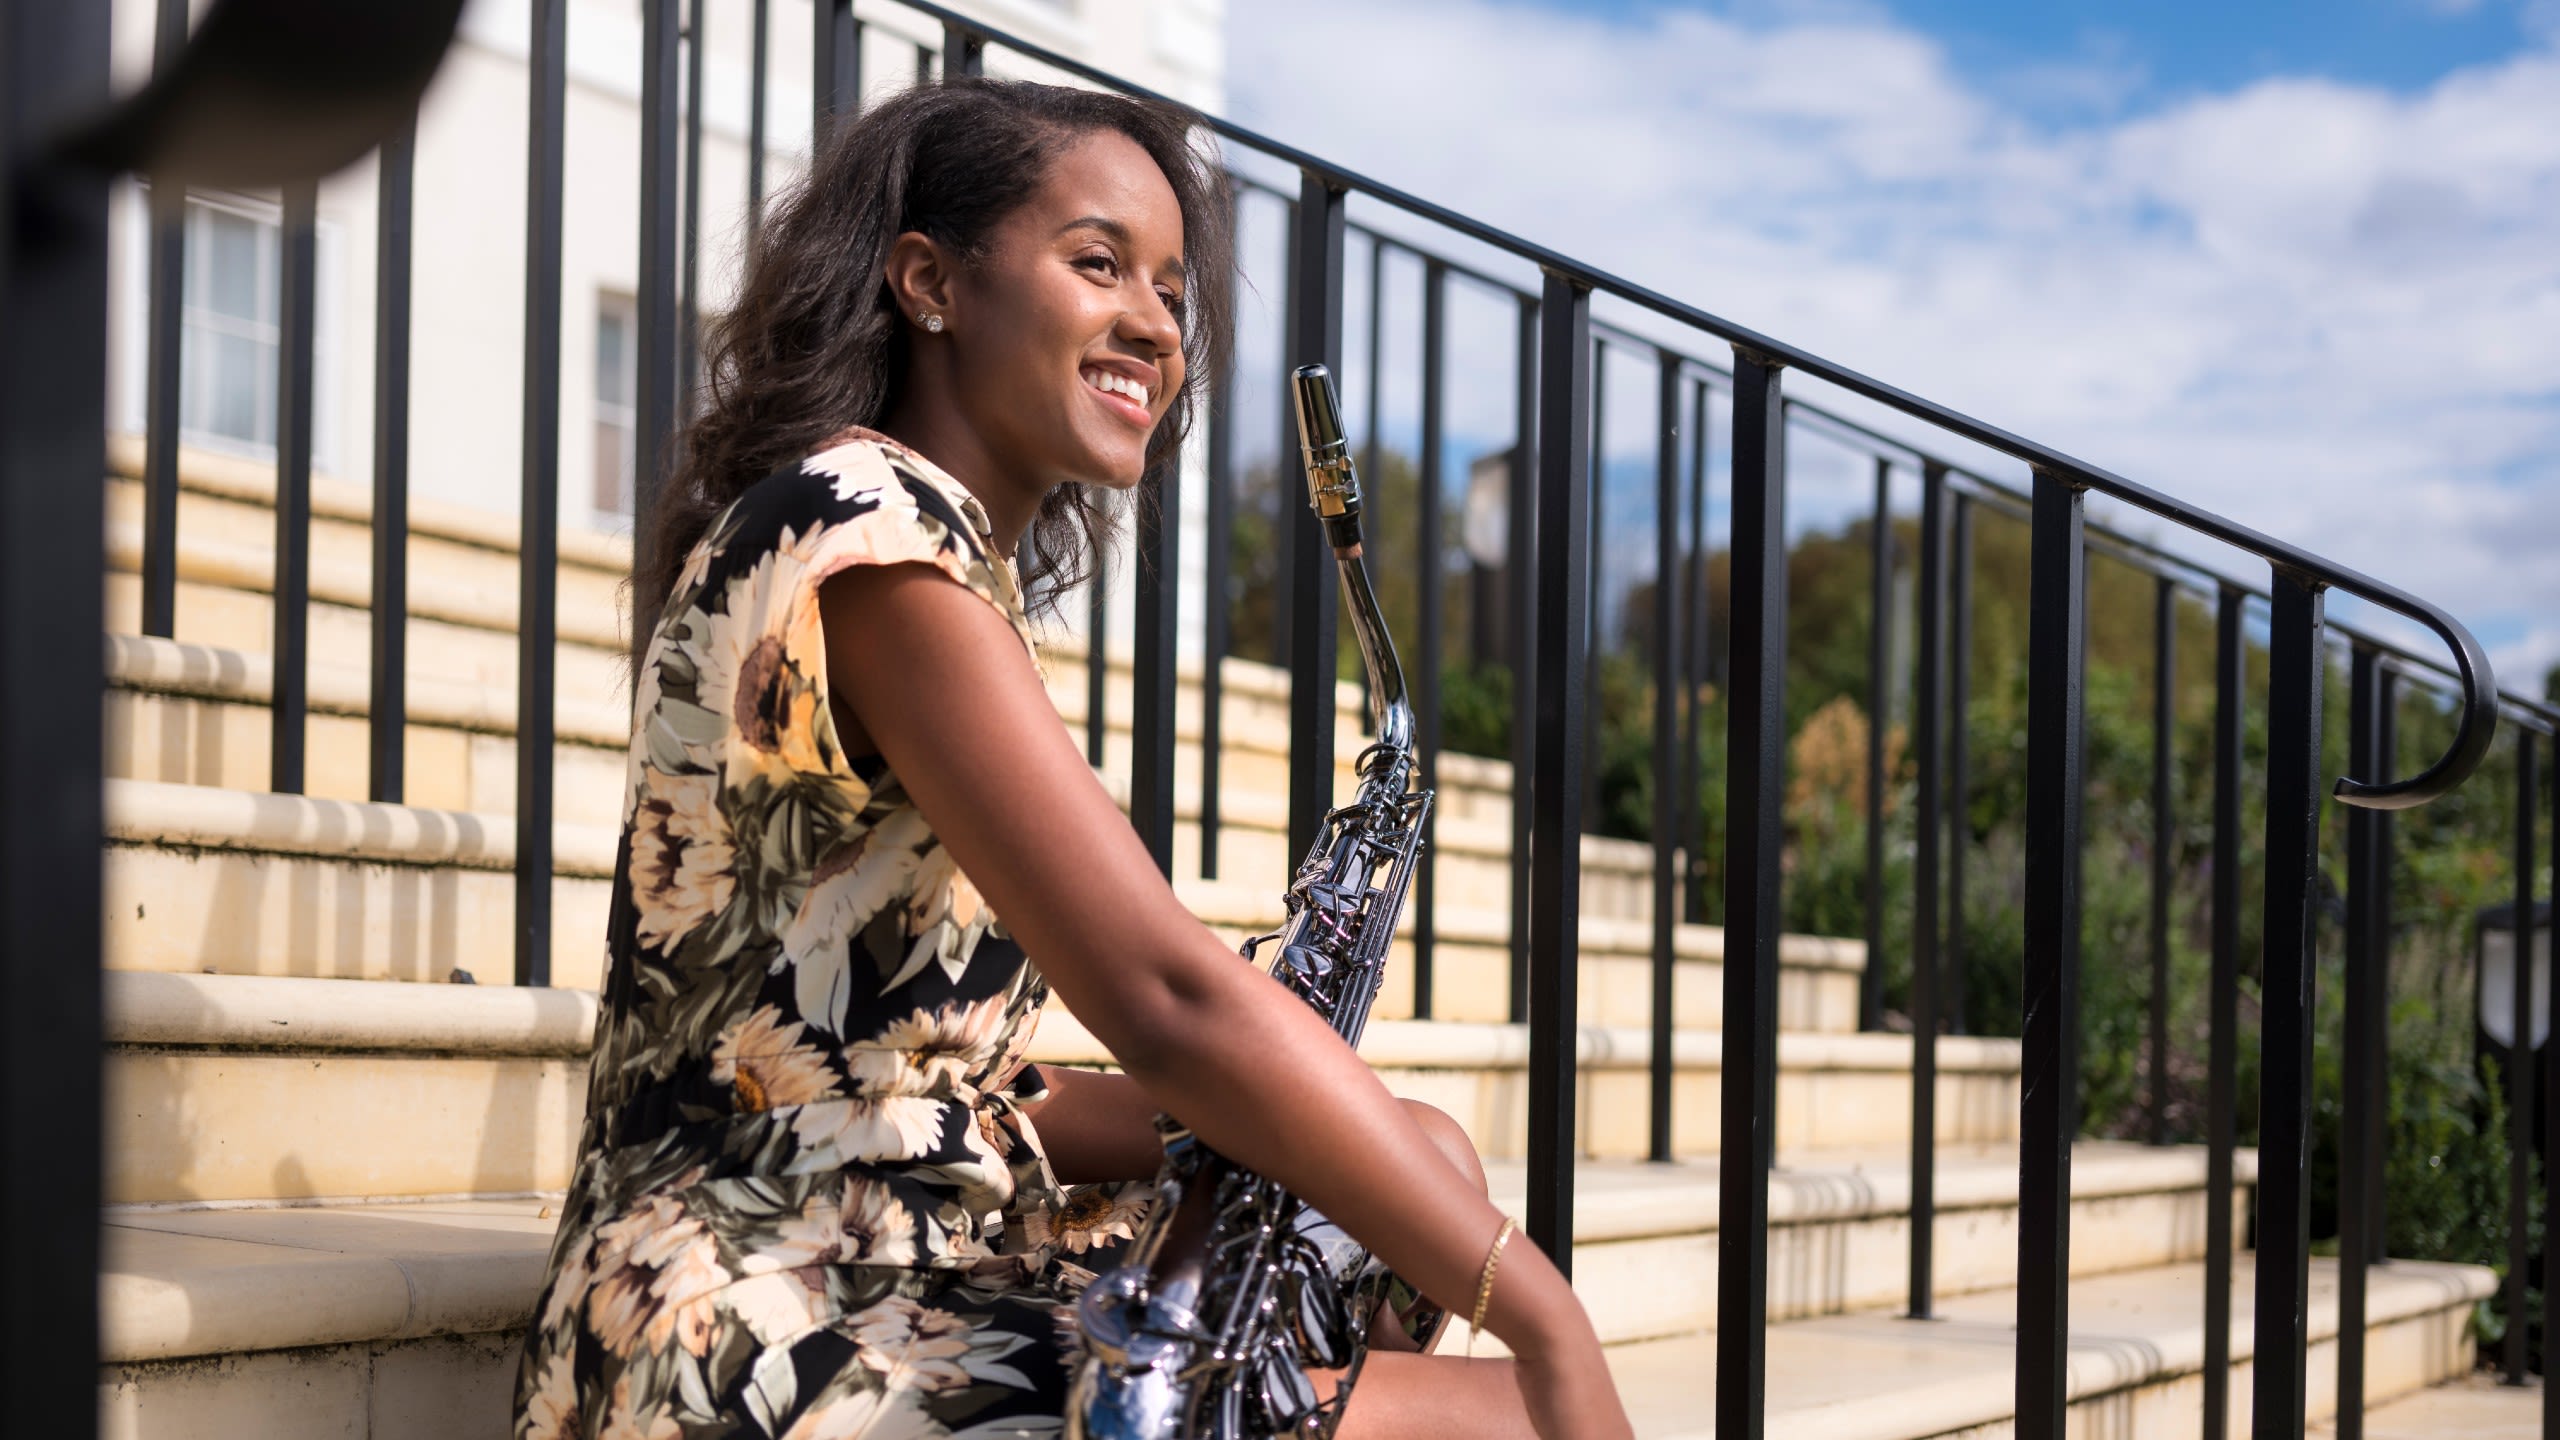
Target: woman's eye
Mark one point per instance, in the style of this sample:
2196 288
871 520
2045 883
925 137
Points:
1104 262
1172 303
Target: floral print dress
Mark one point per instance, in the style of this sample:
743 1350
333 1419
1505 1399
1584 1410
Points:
808 1203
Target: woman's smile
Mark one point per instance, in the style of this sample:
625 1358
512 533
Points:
1124 391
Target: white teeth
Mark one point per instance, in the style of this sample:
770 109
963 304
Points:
1117 384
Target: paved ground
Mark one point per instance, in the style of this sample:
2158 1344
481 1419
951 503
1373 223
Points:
2475 1408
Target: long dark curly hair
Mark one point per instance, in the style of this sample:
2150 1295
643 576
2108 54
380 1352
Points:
815 343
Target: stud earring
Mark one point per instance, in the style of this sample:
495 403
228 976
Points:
931 322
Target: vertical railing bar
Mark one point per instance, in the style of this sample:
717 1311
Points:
2378 1021
1959 806
1315 337
1879 719
2550 1125
165 343
53 464
1216 613
1153 684
387 704
1284 472
1565 395
2519 1076
2296 667
2049 1109
1694 655
1521 511
291 649
689 304
2222 994
1435 287
924 64
537 555
658 403
1097 657
1667 650
2362 973
1755 789
2164 734
1373 422
757 48
964 52
835 54
1928 701
1594 569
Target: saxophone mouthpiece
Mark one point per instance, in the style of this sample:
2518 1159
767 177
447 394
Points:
1333 482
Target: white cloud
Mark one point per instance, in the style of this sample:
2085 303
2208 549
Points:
2330 312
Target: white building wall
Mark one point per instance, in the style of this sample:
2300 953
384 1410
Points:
466 359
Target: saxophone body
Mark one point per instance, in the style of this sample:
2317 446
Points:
1234 1287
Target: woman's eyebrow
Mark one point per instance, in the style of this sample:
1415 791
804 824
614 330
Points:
1119 235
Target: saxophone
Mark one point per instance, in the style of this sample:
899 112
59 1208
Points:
1234 1288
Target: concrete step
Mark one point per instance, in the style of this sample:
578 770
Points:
200 878
233 1322
182 713
2477 1406
2136 1359
255 1088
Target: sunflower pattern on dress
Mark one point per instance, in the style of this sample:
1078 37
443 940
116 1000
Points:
809 1203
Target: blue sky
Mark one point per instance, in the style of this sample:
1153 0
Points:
2297 263
2174 46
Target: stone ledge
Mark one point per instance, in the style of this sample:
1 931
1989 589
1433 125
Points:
253 482
1877 1376
260 1012
151 812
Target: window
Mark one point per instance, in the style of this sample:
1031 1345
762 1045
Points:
617 396
230 342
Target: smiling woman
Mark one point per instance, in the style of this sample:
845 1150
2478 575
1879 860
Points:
820 1193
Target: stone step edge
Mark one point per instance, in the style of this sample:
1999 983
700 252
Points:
230 477
209 817
259 1012
2100 1365
227 1305
150 665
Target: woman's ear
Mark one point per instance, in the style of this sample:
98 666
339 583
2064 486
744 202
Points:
919 276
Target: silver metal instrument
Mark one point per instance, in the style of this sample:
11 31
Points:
1234 1287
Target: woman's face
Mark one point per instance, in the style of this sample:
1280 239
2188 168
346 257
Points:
1066 338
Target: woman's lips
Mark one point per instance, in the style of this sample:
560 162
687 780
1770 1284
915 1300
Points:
1122 406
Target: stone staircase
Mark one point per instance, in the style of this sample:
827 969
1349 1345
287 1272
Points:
332 1161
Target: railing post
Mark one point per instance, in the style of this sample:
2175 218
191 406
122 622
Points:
2378 1121
757 46
2222 995
689 248
1555 845
1693 671
2050 1109
2551 1132
2296 662
166 341
1097 657
835 55
537 554
1588 771
2362 1082
2164 833
1522 512
1315 338
1217 611
1879 719
1928 702
1153 684
1667 770
288 704
964 51
1755 792
1426 887
658 406
387 709
2519 1075
1951 957
53 360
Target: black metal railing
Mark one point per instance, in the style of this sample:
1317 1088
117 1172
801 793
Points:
1551 580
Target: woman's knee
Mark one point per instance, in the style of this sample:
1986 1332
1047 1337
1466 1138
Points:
1449 1138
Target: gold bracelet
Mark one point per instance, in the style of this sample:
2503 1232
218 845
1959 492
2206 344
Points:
1484 1283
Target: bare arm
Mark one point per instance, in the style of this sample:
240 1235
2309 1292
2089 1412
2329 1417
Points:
942 686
